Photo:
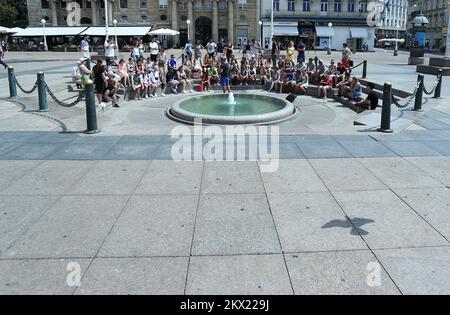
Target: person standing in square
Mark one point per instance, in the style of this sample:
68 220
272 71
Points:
301 48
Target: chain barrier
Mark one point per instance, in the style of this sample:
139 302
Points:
434 87
409 100
358 65
22 89
61 103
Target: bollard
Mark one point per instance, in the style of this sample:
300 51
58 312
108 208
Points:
437 92
91 111
43 104
386 111
364 74
419 94
12 83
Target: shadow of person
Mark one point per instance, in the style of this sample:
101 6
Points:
354 224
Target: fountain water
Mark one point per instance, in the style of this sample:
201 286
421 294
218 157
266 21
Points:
232 109
231 99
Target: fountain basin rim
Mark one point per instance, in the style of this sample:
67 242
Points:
286 112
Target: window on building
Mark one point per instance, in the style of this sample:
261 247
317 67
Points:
163 4
337 5
306 5
223 5
208 5
276 5
324 5
197 5
291 5
123 4
45 4
243 4
182 5
363 7
86 21
351 6
143 4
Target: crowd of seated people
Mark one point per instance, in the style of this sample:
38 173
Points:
159 74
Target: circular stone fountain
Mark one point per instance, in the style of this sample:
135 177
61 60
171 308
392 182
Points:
231 109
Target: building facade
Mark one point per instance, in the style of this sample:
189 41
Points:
228 19
394 18
311 18
437 12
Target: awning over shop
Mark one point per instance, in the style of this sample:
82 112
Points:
3 29
50 31
324 31
15 30
285 31
119 31
359 32
164 32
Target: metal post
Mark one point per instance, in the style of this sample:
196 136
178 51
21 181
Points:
329 45
419 94
437 93
106 19
12 83
396 42
43 105
386 111
91 111
364 74
45 36
447 46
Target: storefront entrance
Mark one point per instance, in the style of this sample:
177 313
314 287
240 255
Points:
203 30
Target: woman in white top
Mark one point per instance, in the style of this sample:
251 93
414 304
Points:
198 66
154 50
184 80
145 82
135 54
110 48
141 49
157 76
153 82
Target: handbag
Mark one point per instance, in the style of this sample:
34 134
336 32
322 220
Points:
291 98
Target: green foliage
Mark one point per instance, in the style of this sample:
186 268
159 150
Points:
13 13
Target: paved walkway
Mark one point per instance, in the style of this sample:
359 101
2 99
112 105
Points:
349 211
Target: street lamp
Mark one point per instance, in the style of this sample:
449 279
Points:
260 23
115 35
272 30
447 46
188 22
106 19
330 25
43 21
396 40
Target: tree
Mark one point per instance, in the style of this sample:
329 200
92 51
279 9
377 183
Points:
13 13
8 14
